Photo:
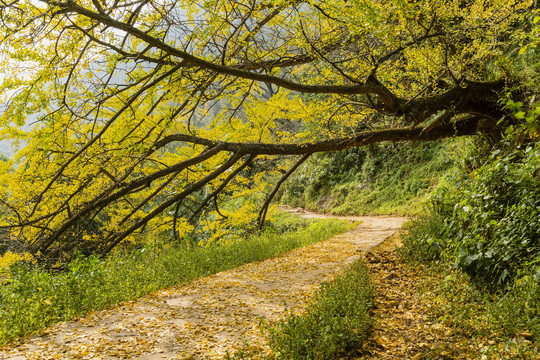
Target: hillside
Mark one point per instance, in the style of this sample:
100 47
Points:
383 178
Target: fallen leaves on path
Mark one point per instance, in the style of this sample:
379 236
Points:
403 329
208 317
405 326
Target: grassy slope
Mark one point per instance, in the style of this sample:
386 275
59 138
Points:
380 179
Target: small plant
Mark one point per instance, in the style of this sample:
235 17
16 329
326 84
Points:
422 238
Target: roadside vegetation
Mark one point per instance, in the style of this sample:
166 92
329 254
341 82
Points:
32 297
386 178
480 235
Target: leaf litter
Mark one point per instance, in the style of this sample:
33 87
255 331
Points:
209 317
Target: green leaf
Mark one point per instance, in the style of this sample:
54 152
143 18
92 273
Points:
520 115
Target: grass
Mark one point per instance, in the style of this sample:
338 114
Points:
377 180
31 298
334 324
496 326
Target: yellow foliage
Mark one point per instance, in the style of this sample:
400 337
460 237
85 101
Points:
100 98
9 258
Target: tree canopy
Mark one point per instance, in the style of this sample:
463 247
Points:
136 116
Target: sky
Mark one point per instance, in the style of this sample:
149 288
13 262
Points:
5 147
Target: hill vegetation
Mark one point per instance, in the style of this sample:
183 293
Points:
378 179
480 228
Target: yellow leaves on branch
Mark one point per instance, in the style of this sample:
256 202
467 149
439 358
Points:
99 96
9 258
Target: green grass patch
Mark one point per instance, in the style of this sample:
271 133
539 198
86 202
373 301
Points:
32 298
335 323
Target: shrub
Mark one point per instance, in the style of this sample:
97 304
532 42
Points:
494 228
422 238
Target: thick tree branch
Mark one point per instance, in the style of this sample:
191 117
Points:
461 127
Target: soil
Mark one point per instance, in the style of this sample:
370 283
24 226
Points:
219 314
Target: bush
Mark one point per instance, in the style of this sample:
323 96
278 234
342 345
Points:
494 229
486 222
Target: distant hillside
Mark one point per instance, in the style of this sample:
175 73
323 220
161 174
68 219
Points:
377 179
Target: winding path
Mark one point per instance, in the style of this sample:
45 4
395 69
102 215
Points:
209 317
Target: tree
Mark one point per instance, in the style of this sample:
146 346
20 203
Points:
144 112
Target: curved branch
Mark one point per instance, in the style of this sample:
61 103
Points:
461 127
100 134
398 50
101 200
264 208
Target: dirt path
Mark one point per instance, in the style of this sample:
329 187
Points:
208 317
